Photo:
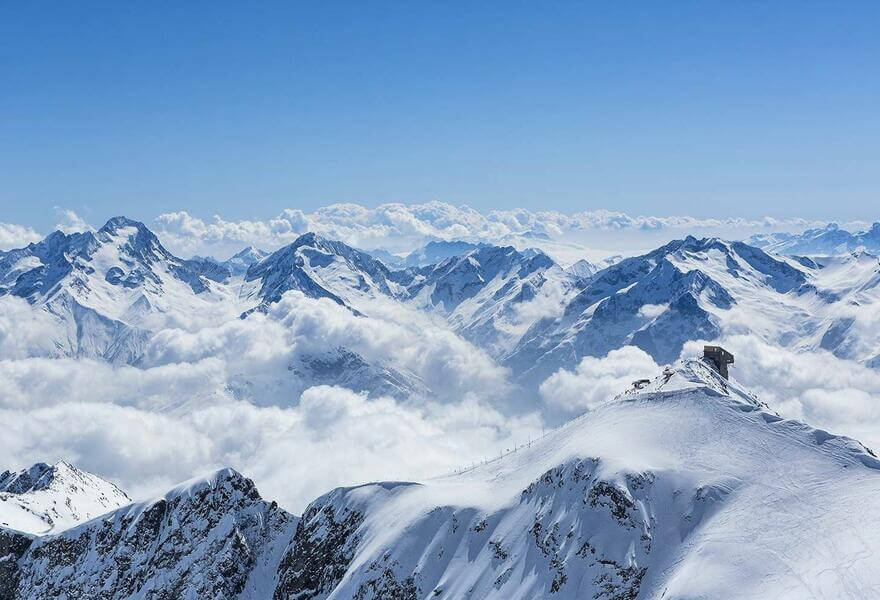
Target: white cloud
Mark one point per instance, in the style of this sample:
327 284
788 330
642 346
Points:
23 331
404 227
70 221
223 395
652 311
17 236
597 380
334 437
262 347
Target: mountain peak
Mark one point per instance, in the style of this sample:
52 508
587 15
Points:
114 224
246 252
44 497
309 237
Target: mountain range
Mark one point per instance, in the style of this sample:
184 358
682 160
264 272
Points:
104 294
830 240
684 486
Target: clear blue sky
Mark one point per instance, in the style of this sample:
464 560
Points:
242 109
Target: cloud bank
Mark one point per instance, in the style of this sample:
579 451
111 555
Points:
17 236
401 227
226 395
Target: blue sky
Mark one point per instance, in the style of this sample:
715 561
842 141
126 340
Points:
700 108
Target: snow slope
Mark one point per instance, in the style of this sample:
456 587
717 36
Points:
48 498
687 489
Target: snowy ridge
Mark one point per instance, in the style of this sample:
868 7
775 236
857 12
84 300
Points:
643 497
481 294
319 268
211 537
50 498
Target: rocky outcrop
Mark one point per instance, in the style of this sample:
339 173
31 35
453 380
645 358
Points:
208 538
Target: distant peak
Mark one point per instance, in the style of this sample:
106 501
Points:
310 237
115 223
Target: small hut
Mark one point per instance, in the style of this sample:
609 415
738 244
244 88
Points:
718 357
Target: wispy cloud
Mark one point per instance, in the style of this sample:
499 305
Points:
17 236
70 222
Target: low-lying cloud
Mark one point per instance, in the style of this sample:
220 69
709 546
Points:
228 395
333 437
597 380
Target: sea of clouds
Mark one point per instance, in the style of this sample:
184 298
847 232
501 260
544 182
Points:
223 395
220 393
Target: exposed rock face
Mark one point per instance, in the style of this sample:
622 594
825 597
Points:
208 538
321 550
571 529
13 545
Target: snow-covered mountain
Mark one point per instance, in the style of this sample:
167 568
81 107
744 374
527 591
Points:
211 537
477 292
705 289
482 294
583 269
104 294
438 251
104 291
47 498
683 487
345 368
241 261
319 268
830 240
689 488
